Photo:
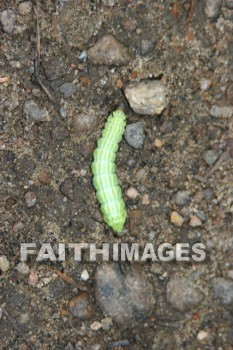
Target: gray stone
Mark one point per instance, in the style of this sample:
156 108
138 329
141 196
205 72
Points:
182 295
8 20
135 135
221 111
223 291
80 306
32 110
182 197
25 8
67 188
213 8
4 263
109 2
30 199
229 4
210 157
126 296
23 268
146 97
108 51
83 122
146 46
68 89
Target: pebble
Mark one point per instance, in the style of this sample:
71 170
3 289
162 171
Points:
158 143
25 8
229 4
126 296
67 188
195 221
33 279
109 51
223 291
12 102
146 97
202 335
182 295
8 20
210 157
83 122
182 198
135 135
17 226
95 326
146 46
132 193
80 306
32 110
221 111
30 199
213 8
10 202
205 84
4 264
23 268
176 219
145 199
68 89
106 323
85 275
109 2
44 177
167 127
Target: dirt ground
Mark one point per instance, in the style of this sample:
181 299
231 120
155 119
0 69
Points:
46 182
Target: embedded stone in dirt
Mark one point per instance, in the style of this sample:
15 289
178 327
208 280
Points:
7 20
213 8
135 135
146 97
109 51
123 293
32 110
84 122
182 295
223 291
80 306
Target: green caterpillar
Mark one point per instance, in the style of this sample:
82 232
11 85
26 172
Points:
105 180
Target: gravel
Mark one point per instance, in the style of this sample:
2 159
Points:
33 111
146 97
30 199
4 264
146 46
176 219
80 306
68 89
182 198
221 111
182 295
25 8
127 297
23 268
108 51
8 20
135 135
223 291
213 8
210 157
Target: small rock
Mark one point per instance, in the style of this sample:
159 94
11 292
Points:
146 46
109 51
167 127
200 214
32 110
67 188
106 323
84 275
132 193
229 4
10 202
210 157
109 2
213 8
208 194
17 226
8 20
95 326
202 335
33 279
182 197
221 111
135 220
158 143
23 268
30 199
4 264
182 295
176 219
68 89
80 306
195 221
146 97
44 177
145 199
25 8
223 290
135 135
84 122
87 149
12 102
205 84
126 296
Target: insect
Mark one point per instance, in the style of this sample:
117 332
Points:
105 181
